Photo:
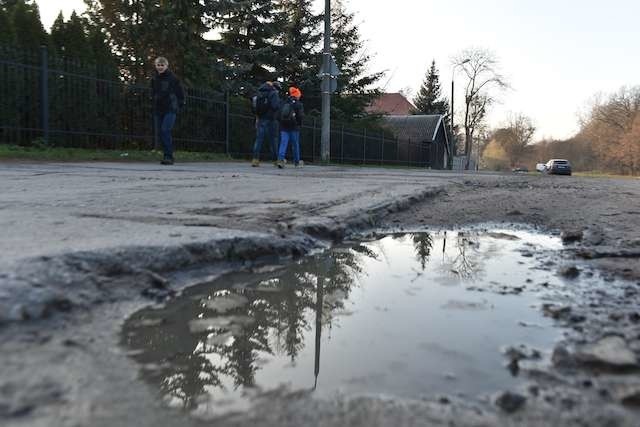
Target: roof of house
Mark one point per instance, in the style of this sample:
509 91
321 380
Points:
391 104
418 128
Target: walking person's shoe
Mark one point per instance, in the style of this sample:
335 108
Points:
255 163
280 164
167 161
299 164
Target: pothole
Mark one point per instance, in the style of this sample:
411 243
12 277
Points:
409 315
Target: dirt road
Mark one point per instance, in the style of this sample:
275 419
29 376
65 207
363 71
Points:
85 245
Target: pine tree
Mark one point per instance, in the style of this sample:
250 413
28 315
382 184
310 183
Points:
355 85
429 99
142 30
247 30
102 56
7 35
28 29
69 38
298 48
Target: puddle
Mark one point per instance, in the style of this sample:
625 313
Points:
410 315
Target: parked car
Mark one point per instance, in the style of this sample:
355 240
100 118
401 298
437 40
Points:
541 167
558 167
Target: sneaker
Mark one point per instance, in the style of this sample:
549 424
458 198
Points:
280 164
166 161
300 164
255 163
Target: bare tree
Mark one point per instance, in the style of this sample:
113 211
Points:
609 127
480 67
516 137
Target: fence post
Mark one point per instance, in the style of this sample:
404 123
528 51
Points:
313 142
382 150
342 144
364 146
398 150
44 92
227 119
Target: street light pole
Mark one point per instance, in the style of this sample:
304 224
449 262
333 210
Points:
452 99
325 139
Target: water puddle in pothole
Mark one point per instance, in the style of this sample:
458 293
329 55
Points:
410 315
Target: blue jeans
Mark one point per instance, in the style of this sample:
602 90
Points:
266 128
165 122
294 137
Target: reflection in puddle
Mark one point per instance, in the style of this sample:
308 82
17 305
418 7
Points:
409 315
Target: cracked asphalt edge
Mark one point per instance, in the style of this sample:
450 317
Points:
44 286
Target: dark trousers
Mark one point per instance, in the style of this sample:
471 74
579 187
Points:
164 123
266 129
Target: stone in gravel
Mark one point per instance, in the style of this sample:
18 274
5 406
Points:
570 272
577 318
510 402
556 311
571 236
516 354
562 358
521 352
610 351
627 394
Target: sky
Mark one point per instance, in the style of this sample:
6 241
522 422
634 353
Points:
556 54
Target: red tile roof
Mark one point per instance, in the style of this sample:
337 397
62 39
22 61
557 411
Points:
391 104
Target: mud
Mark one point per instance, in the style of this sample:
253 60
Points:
62 309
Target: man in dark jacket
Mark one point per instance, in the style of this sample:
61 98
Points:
290 117
266 105
168 98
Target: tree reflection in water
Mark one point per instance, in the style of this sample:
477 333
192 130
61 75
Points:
465 263
422 243
231 331
222 343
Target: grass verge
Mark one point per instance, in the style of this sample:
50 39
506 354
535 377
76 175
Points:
59 154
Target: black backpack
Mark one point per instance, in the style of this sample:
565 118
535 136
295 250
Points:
288 113
261 103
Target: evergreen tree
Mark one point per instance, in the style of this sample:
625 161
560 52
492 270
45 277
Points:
7 36
247 31
69 38
298 48
141 30
355 85
429 99
27 27
101 53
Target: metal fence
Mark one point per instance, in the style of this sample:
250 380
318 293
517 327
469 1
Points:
67 103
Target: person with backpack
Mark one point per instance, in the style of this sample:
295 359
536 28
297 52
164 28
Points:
290 118
168 97
265 106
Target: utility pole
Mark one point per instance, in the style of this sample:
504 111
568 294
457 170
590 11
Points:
325 139
453 73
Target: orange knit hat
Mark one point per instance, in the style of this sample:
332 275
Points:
295 92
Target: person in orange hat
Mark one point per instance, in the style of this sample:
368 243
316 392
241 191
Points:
290 117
